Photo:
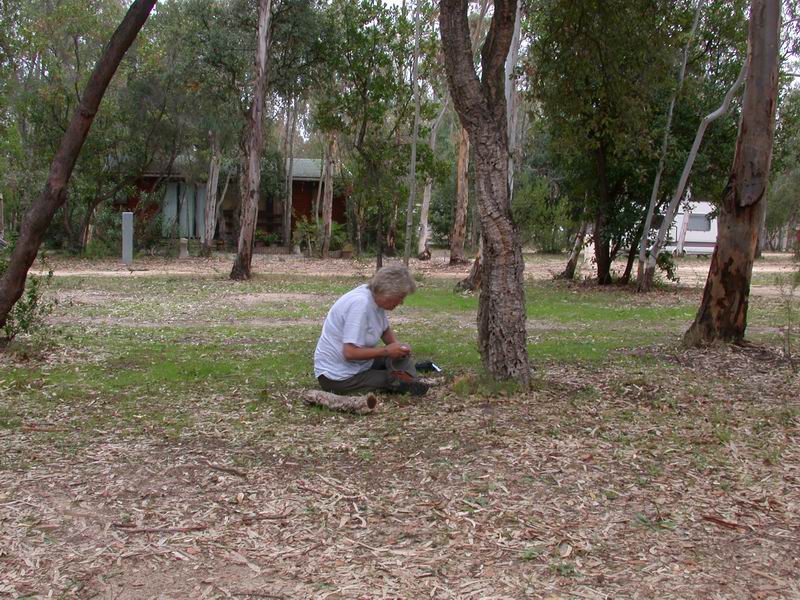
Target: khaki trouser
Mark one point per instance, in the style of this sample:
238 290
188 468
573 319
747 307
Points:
381 376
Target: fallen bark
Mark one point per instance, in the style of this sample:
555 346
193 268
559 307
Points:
355 404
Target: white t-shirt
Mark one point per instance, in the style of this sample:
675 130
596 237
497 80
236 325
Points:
353 319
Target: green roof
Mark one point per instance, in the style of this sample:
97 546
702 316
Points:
305 168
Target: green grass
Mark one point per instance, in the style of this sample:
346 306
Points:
148 353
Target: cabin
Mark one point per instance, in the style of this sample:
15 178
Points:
191 198
694 230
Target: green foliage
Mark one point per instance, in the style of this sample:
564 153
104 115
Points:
666 263
541 215
266 237
28 315
306 233
601 78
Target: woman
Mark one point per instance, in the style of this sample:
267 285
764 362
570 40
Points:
347 358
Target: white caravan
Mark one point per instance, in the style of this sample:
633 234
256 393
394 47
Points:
694 230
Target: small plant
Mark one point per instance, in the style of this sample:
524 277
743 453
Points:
265 237
666 263
788 293
531 553
306 232
565 569
30 311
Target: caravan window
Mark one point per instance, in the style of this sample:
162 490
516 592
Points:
699 223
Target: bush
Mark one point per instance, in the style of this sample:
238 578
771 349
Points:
542 217
666 262
29 313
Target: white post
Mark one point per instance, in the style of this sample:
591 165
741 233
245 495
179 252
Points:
127 238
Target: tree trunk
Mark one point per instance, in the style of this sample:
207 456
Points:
2 219
602 253
645 283
472 282
391 234
379 241
412 175
212 187
723 310
318 197
651 207
255 139
40 215
288 199
569 271
458 234
86 232
481 107
327 202
424 232
632 254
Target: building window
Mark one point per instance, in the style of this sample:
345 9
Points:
699 223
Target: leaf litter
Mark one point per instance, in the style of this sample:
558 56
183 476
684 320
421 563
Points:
614 481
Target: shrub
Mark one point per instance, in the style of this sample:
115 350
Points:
29 313
666 262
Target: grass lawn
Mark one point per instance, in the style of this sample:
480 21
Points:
153 444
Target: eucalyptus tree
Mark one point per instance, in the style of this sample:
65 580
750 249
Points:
47 48
783 210
37 219
598 68
723 309
253 146
482 109
366 100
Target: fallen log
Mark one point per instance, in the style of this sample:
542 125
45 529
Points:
354 404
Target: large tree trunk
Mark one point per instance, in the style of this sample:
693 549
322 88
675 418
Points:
327 201
481 106
645 282
723 310
212 186
40 215
255 139
2 218
458 234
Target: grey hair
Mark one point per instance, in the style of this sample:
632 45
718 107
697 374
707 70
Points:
393 281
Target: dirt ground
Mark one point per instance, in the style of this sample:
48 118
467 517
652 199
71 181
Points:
597 483
692 270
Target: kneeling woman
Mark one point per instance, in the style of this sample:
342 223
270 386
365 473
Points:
347 359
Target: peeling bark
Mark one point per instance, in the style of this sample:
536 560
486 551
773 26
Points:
723 310
254 143
569 271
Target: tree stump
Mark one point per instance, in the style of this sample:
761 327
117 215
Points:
354 404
